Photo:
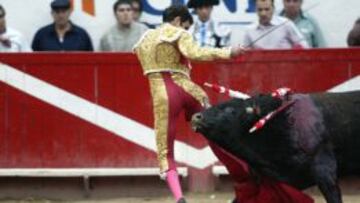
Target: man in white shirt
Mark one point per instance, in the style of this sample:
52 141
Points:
272 32
206 31
10 39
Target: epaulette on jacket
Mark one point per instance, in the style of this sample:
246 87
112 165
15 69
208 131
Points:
170 33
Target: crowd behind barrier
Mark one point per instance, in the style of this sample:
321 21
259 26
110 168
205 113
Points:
302 30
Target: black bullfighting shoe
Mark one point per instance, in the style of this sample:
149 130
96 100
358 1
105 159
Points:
182 200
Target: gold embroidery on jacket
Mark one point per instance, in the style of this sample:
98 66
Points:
164 49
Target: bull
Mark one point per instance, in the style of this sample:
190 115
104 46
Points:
313 140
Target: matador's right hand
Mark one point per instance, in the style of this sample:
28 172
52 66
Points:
237 50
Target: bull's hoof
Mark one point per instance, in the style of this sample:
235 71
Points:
182 200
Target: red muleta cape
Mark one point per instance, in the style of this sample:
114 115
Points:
247 190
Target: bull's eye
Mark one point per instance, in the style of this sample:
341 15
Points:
253 110
250 110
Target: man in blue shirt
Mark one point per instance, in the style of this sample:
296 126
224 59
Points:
62 35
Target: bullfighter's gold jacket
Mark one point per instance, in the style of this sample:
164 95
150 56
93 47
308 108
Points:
168 48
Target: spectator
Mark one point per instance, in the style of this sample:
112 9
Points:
205 30
62 35
354 35
275 32
11 40
124 35
137 7
306 24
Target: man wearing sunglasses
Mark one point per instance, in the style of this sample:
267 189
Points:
306 24
122 36
11 40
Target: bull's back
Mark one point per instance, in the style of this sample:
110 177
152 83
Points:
341 115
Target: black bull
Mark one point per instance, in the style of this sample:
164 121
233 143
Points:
314 141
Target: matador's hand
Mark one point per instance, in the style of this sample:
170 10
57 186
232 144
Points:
238 50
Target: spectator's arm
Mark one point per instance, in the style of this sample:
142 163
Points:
104 44
318 37
36 42
22 43
247 40
88 42
25 47
295 37
190 49
143 29
227 40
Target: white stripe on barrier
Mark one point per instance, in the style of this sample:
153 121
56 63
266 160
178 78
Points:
350 85
121 126
219 170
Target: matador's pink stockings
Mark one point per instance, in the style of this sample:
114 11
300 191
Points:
172 179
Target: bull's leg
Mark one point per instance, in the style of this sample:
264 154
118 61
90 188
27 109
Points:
325 174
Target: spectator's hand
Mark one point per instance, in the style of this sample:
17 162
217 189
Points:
238 50
5 41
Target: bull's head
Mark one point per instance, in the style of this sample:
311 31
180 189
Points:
228 126
220 119
234 117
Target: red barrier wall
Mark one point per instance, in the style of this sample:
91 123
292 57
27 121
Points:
36 134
